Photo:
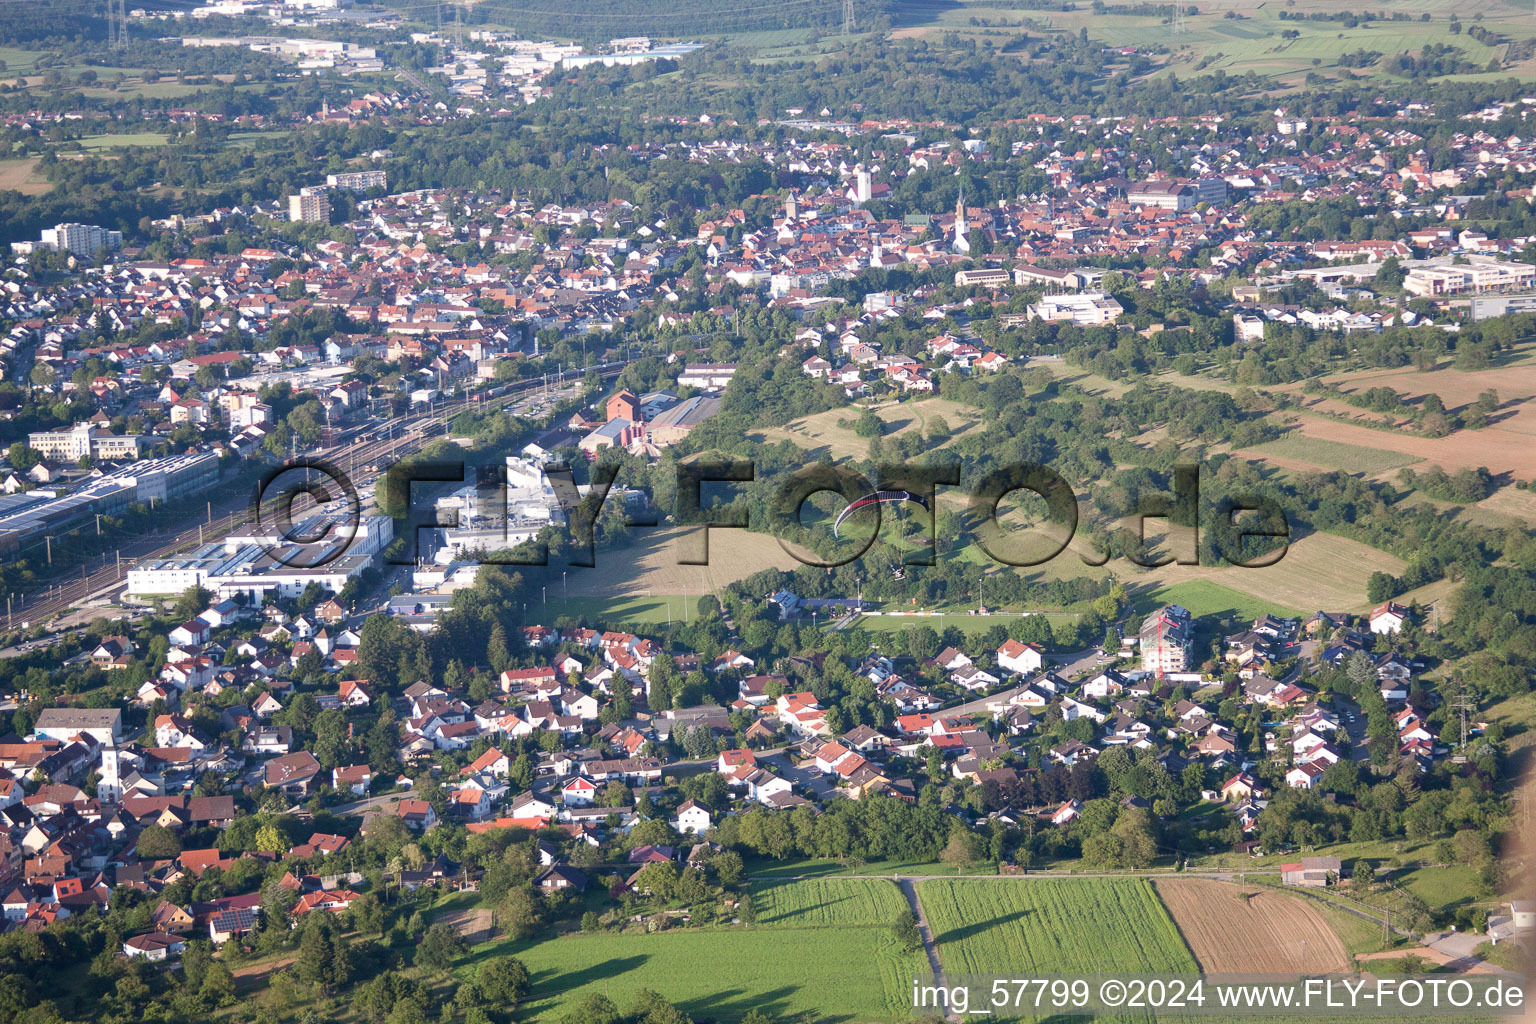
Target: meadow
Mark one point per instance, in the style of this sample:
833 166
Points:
1056 926
825 436
821 948
1203 597
123 140
1240 36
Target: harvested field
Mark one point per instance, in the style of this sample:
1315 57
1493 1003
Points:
472 924
1226 926
649 564
1515 379
257 974
1504 448
1321 570
22 176
1512 502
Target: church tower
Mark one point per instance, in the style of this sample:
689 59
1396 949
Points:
962 242
109 790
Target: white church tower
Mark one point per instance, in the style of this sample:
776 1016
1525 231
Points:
109 789
962 242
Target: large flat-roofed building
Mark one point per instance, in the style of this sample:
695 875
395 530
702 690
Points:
104 725
1084 308
676 423
359 181
1165 195
258 565
157 480
84 439
1212 191
709 376
26 518
1477 274
27 524
1076 279
987 277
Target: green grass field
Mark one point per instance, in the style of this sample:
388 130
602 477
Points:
827 903
1334 455
821 948
1053 927
1202 597
960 620
19 60
765 869
123 140
639 610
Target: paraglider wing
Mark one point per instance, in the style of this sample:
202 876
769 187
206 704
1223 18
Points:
876 498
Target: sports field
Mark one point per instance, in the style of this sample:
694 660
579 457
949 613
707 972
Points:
1320 570
643 582
821 948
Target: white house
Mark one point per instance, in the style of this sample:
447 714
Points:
1016 657
969 677
1104 685
764 786
1388 618
155 946
175 731
691 818
579 792
1066 813
1304 776
1073 709
530 806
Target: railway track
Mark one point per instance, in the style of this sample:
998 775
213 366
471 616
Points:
230 506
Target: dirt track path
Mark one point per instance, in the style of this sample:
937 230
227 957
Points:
931 948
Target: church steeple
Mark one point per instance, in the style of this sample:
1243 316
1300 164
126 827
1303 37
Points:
962 243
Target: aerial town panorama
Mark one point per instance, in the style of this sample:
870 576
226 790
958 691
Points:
796 512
